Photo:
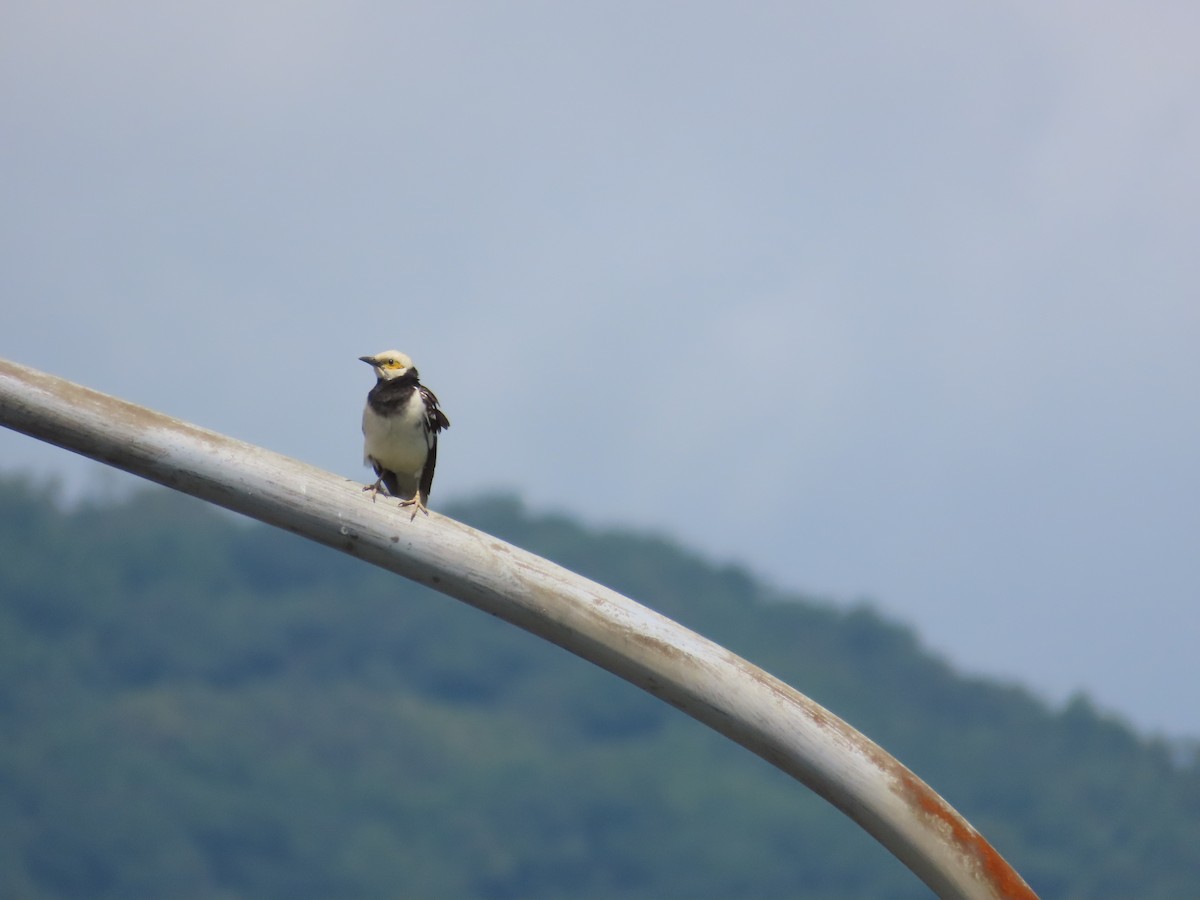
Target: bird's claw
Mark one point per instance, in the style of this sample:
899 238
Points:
375 489
417 505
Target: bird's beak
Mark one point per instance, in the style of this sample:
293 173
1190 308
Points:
369 360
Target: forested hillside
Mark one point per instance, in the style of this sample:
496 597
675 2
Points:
193 706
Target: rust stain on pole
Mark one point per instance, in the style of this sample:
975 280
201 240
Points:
993 868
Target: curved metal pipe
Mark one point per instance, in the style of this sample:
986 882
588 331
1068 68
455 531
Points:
703 679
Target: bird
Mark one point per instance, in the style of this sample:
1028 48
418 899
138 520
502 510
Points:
400 424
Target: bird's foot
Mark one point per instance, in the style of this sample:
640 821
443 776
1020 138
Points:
417 506
375 489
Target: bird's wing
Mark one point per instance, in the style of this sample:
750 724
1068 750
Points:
435 419
427 469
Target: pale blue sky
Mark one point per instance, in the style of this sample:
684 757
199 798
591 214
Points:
899 302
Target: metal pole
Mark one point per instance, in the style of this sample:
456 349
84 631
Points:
701 678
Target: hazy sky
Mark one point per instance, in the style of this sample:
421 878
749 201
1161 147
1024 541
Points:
887 301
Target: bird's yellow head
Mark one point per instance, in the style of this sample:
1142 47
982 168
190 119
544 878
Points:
388 364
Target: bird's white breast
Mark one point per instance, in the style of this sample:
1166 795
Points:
399 443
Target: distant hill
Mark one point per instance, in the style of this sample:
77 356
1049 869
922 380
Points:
193 706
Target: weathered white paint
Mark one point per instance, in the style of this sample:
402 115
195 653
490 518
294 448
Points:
658 655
